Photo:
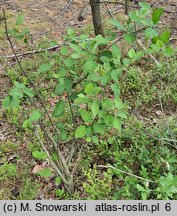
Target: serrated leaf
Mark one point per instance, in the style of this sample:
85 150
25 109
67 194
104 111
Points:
86 115
27 123
59 109
28 91
117 123
75 56
169 51
44 68
101 40
64 51
6 103
116 73
80 132
15 92
46 172
59 89
118 103
98 128
68 85
117 24
145 5
132 53
94 108
157 13
40 155
35 115
165 36
122 114
15 102
108 119
134 17
116 53
89 66
130 38
116 90
150 33
75 47
20 19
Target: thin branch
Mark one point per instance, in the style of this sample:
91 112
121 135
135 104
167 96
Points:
64 10
26 75
35 51
150 55
127 173
50 159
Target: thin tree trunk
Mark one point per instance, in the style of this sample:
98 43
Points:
96 16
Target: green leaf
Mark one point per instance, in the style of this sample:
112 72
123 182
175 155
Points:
157 13
117 24
46 172
15 102
40 155
86 115
15 92
118 103
116 90
122 114
35 115
132 53
89 88
89 66
134 17
88 139
150 33
105 79
94 108
130 38
116 53
117 124
6 102
101 40
145 5
80 132
116 73
68 85
59 89
64 51
75 56
108 119
169 51
27 123
165 36
70 32
75 47
28 92
58 180
44 68
59 109
98 128
20 19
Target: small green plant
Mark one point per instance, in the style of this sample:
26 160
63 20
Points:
97 187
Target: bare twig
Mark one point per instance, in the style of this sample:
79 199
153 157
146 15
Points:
64 10
127 173
50 159
35 51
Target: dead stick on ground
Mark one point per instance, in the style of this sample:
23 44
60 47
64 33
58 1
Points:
127 173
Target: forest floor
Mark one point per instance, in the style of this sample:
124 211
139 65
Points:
48 21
